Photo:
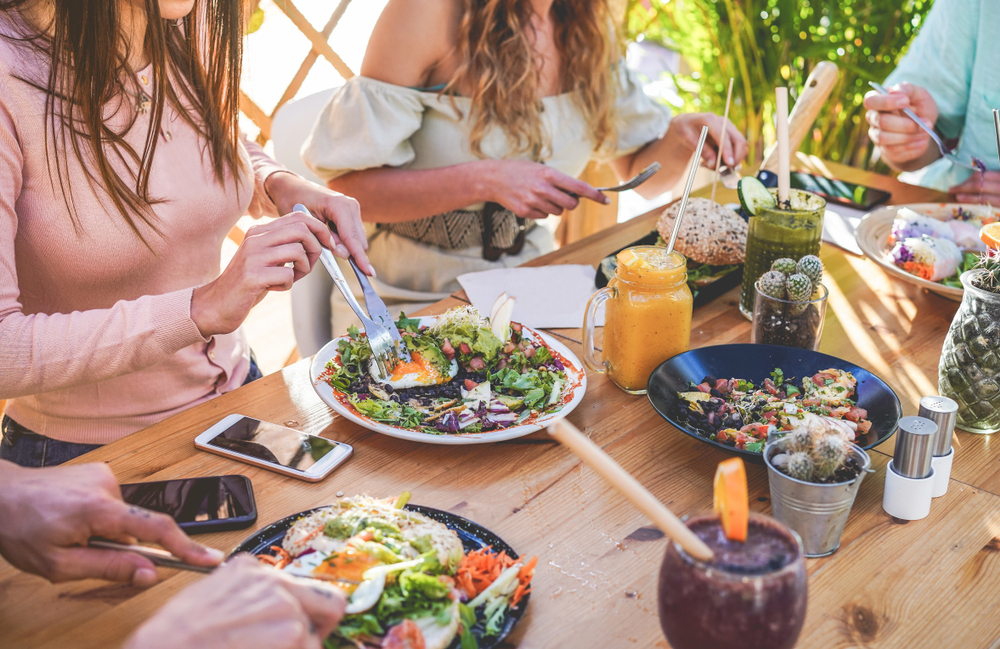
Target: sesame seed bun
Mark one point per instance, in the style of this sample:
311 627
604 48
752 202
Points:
709 234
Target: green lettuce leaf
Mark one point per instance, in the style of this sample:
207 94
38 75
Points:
355 626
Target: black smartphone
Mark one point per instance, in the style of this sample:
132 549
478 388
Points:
199 505
840 192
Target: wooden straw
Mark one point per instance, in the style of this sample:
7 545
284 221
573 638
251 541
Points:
996 126
687 189
568 435
722 137
781 94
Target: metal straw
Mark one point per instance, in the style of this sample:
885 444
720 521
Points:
687 190
996 126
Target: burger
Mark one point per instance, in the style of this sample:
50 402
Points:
712 237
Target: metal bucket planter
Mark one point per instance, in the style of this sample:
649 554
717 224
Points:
818 512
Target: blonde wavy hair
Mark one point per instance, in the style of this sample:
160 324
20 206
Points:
498 65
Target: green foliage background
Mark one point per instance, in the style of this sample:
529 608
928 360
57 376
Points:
767 43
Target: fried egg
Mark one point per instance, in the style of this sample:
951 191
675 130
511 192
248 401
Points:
416 373
349 563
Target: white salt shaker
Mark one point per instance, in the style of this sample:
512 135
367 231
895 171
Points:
942 411
909 478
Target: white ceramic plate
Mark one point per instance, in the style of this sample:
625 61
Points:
873 238
575 377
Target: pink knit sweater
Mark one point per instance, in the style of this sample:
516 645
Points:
96 336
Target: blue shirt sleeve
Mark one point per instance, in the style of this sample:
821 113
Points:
941 59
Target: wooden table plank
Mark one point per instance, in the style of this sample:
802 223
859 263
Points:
925 583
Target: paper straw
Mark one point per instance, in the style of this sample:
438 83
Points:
722 137
784 184
570 437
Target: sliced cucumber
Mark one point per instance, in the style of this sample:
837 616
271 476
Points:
754 196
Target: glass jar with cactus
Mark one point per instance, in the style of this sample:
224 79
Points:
969 369
790 304
814 473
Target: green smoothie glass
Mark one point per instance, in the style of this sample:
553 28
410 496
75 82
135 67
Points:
792 230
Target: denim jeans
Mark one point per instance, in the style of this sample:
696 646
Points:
26 448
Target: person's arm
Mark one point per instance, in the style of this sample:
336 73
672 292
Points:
278 191
244 605
46 352
647 134
933 79
49 514
410 47
675 149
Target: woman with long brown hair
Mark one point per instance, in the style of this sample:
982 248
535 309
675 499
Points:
122 169
471 118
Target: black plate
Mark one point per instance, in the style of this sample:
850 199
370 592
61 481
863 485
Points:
473 536
755 363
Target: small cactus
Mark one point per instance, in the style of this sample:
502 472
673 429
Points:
811 267
828 455
772 284
813 451
784 266
799 288
799 440
799 466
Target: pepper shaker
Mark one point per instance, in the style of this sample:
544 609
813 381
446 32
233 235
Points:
942 411
909 478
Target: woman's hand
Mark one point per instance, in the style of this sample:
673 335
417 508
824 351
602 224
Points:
904 144
685 130
341 212
243 605
532 190
49 514
259 266
979 188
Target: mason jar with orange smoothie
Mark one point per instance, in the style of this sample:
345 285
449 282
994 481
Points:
647 316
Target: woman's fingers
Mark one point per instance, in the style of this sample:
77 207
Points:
550 196
277 278
979 188
567 183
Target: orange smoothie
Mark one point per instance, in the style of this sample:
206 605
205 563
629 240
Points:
648 318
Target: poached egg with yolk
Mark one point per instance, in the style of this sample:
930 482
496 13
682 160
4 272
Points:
418 372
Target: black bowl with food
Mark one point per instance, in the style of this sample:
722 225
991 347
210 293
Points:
808 381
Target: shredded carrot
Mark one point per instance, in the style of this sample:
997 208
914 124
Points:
311 534
481 568
519 592
268 559
282 558
524 576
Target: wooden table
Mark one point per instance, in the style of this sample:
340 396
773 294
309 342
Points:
929 583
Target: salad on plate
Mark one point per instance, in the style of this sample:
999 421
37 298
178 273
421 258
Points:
408 578
465 374
736 413
938 250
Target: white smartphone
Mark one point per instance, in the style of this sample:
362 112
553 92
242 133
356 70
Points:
274 447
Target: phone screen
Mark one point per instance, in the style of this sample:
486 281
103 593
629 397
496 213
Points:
838 191
194 500
274 444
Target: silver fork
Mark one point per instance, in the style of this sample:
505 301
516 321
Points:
634 182
951 157
380 339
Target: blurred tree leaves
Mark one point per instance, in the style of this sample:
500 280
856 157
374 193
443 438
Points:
255 21
766 43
